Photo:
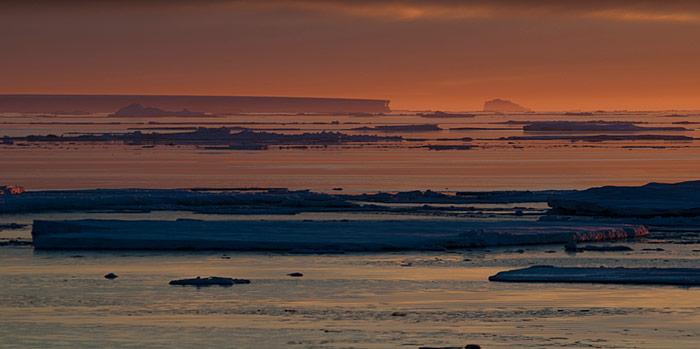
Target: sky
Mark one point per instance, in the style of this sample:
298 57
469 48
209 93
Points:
439 55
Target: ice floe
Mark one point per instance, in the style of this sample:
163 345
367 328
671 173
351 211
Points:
592 126
314 235
654 276
209 281
650 200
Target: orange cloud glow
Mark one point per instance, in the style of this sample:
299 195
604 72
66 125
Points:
439 54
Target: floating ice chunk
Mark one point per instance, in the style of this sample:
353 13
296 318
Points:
655 276
209 281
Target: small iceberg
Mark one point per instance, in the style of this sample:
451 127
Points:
504 106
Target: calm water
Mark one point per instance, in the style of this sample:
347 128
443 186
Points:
493 164
61 300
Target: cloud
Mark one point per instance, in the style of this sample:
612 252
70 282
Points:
409 10
674 11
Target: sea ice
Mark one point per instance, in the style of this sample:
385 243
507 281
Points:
656 276
209 281
650 200
314 235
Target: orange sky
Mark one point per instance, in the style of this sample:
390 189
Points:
545 54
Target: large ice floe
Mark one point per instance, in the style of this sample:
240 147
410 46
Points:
314 235
245 200
199 200
139 110
602 138
651 200
593 126
640 276
212 136
413 220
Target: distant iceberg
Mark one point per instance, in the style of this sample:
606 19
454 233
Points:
138 110
504 106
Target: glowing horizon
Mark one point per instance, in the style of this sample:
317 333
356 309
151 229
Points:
442 55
